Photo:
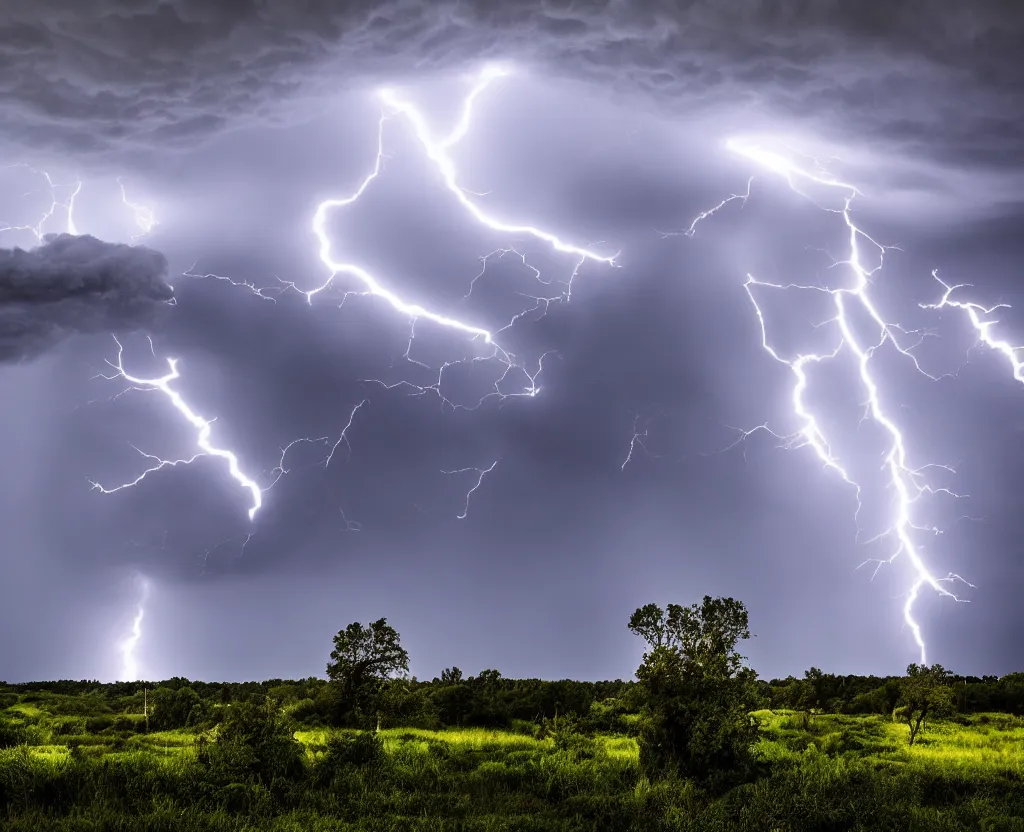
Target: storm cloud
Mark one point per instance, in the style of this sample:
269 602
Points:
934 95
232 120
76 284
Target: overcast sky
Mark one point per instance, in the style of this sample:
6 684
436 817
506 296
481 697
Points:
233 121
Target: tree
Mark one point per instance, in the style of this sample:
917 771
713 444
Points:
698 692
924 692
172 707
362 660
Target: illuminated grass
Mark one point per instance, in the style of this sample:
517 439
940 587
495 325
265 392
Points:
167 739
621 748
477 739
25 710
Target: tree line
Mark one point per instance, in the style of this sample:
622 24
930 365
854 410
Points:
690 708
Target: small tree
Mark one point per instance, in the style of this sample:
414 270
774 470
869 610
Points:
362 659
924 692
698 693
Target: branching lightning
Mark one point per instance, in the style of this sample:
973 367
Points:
907 482
982 323
145 219
204 428
65 205
516 379
638 442
437 151
480 474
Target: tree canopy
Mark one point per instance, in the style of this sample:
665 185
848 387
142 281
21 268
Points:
364 653
698 693
363 659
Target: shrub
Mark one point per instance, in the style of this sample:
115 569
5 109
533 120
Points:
347 752
11 735
254 744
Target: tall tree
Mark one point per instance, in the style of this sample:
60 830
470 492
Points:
698 692
362 660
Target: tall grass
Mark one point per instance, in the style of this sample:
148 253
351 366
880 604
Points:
833 773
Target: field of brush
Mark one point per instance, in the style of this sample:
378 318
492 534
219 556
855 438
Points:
82 771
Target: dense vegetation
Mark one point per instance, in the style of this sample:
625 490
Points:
697 742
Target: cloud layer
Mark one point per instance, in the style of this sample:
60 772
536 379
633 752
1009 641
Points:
72 285
92 76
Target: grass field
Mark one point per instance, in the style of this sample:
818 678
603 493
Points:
102 771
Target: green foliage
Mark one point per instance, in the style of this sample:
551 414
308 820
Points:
11 734
173 707
665 754
362 659
924 692
254 744
847 773
698 692
345 754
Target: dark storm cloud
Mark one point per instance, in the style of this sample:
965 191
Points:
73 284
924 81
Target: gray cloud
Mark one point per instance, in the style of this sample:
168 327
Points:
72 285
95 76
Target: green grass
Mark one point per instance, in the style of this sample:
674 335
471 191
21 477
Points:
836 773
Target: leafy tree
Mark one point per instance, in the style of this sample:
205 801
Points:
454 703
924 692
698 692
405 702
172 707
451 676
649 623
362 660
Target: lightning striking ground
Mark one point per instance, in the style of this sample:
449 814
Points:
907 482
129 663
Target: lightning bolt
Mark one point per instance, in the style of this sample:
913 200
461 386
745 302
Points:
480 474
516 379
438 152
145 219
204 428
129 664
978 315
65 205
639 438
907 482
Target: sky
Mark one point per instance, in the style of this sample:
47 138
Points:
622 410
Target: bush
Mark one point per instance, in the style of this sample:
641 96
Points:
68 725
95 724
254 744
347 752
11 735
127 723
361 749
306 711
